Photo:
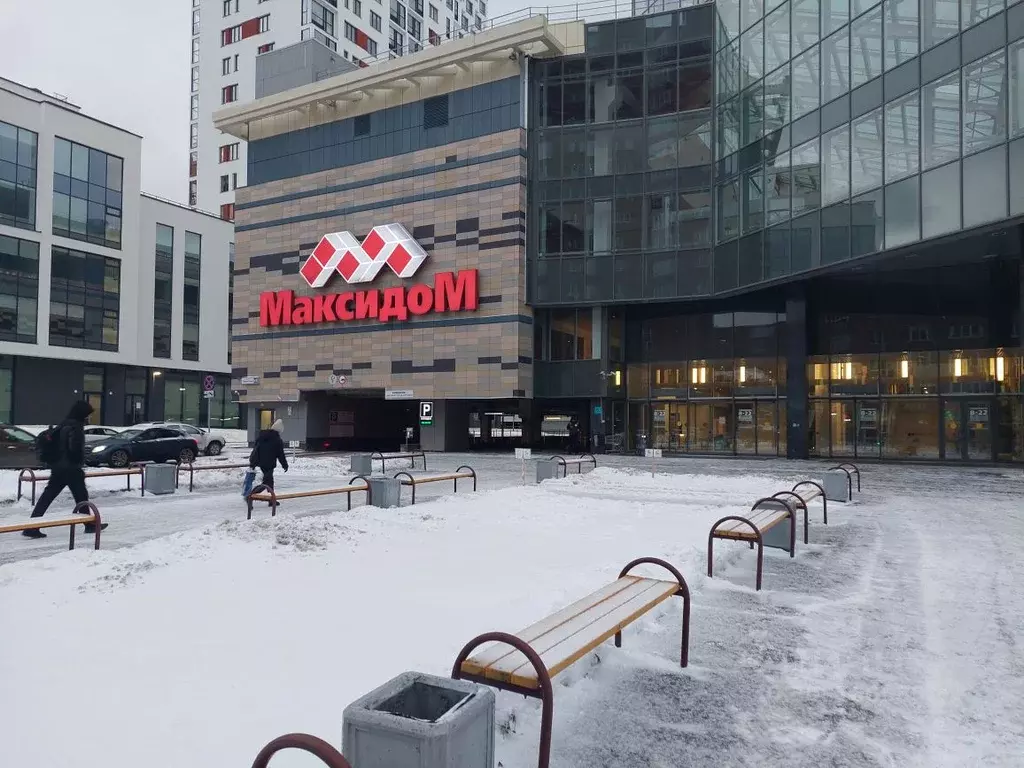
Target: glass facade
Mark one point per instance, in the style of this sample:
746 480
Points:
622 152
844 129
87 187
85 299
18 153
163 290
190 304
19 289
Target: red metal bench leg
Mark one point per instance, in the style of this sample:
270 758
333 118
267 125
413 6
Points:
544 693
683 592
760 561
317 747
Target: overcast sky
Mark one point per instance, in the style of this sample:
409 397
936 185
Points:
125 62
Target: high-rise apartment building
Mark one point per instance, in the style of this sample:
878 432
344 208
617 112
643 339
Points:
228 35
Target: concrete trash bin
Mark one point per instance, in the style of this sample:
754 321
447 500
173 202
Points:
160 478
421 721
836 485
547 470
361 464
385 492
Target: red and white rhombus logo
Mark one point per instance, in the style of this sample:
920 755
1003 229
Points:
357 262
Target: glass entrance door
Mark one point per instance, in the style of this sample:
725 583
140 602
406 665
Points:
967 429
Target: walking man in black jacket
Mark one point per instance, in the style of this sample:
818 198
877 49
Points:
268 451
66 469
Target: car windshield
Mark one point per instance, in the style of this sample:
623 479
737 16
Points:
18 435
128 434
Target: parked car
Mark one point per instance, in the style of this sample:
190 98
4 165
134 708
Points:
151 444
94 433
210 443
17 448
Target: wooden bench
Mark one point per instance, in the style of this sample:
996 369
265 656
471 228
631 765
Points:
411 455
85 513
850 470
262 493
29 476
763 526
315 746
465 471
527 661
192 469
586 458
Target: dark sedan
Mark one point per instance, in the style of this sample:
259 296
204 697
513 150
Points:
132 445
17 448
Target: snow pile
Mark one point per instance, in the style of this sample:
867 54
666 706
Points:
892 639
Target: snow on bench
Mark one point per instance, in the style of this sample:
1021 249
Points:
526 661
465 471
412 455
586 458
263 493
763 526
85 513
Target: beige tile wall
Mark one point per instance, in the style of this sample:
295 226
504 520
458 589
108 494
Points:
262 351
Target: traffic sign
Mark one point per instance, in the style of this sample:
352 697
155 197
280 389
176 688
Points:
426 412
209 382
208 395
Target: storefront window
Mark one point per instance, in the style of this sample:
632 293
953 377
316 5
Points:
817 376
909 429
668 379
909 373
970 371
843 426
854 374
638 381
1009 433
756 376
746 428
818 428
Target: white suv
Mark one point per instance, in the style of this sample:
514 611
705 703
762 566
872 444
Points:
210 443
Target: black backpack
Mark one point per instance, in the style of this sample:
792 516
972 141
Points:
48 446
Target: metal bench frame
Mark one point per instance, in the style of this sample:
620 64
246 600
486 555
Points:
274 503
192 469
88 514
412 482
564 463
411 455
314 745
850 469
30 476
544 691
802 502
757 533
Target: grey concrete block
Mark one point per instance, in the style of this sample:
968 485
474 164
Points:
361 464
385 492
836 485
160 478
417 720
546 470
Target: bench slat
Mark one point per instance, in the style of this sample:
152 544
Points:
565 637
489 655
307 494
740 530
416 480
79 520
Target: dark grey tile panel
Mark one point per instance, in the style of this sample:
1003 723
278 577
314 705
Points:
383 179
448 322
455 191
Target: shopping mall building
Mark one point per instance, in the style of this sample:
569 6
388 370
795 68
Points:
709 230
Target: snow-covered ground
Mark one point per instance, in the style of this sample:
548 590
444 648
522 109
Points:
896 638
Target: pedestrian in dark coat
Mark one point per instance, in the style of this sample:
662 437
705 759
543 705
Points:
66 470
268 452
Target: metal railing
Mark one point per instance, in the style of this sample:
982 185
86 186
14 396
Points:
588 12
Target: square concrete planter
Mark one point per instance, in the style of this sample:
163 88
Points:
421 721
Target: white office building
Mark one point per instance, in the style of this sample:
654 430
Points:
228 35
106 293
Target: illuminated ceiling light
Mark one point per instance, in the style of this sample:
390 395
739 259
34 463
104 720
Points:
743 374
618 378
904 369
1000 368
958 367
849 370
693 375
